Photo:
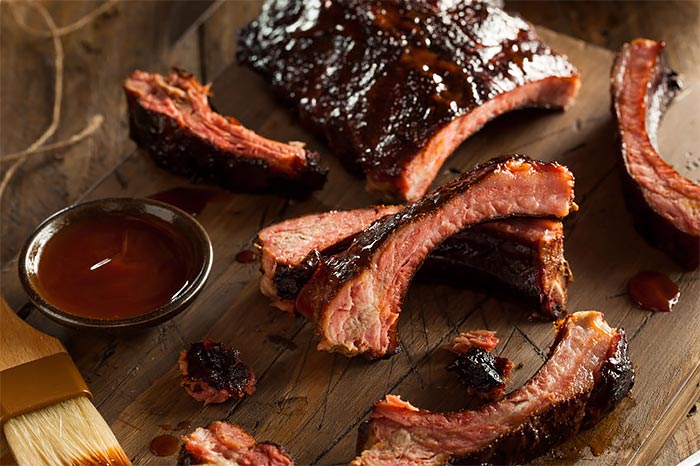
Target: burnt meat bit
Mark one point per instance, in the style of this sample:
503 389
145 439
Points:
477 370
213 373
355 297
483 374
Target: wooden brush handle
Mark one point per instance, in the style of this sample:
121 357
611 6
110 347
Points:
20 343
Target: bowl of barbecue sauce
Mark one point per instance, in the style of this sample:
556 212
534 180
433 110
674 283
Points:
115 263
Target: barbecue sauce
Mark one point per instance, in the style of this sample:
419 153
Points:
165 445
114 266
393 74
184 424
191 200
653 291
246 256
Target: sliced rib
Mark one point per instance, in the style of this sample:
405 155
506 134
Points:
171 118
396 86
291 250
522 255
587 374
665 205
355 297
226 444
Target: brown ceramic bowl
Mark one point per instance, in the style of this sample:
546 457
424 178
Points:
191 230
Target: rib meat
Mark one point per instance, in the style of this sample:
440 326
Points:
482 339
396 85
587 374
355 297
665 205
213 373
291 250
171 118
525 255
225 444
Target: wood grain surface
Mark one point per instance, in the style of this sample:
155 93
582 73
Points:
312 401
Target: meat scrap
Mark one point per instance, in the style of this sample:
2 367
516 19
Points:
213 373
587 374
291 250
483 374
396 86
226 444
664 204
483 339
171 118
355 297
521 255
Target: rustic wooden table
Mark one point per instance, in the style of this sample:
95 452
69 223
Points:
199 36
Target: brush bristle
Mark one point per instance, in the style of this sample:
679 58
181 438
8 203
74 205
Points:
69 433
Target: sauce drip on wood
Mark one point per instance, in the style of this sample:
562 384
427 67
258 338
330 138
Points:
653 291
191 200
184 424
246 256
113 265
165 445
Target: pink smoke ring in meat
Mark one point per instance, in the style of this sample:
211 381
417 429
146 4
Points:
355 297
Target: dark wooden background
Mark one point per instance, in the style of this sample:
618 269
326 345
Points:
200 36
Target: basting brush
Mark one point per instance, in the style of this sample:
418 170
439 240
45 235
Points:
45 406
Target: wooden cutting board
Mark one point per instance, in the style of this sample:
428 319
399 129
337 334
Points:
312 402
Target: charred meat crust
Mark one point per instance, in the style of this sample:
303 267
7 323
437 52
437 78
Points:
538 436
684 248
641 80
336 271
396 85
616 380
185 458
487 257
483 374
176 148
522 256
290 280
477 369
